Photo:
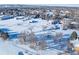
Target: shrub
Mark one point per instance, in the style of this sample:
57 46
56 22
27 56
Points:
5 36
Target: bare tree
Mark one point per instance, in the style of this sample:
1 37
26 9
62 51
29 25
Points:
58 36
22 37
26 37
33 43
42 44
32 40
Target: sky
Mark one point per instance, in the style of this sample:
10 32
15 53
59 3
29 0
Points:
70 5
43 2
39 1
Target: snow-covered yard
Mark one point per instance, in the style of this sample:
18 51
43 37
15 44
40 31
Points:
39 27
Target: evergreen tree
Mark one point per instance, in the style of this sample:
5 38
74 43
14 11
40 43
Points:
73 35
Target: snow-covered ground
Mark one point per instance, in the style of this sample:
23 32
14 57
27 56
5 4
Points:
38 26
7 48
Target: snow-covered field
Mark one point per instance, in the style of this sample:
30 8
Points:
38 26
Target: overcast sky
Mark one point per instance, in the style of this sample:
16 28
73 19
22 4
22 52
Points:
71 5
43 2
